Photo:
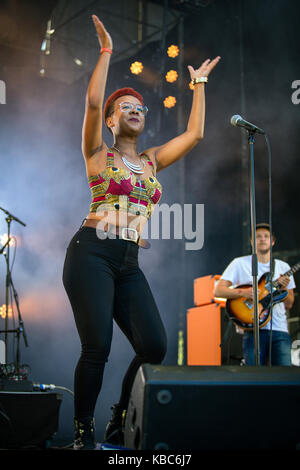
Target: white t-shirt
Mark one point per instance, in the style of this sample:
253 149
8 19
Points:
239 271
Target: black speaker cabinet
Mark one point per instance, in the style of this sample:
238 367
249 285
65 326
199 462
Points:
28 419
214 408
232 342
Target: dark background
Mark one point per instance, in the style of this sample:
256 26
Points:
43 179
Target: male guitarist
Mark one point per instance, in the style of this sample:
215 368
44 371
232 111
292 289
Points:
239 272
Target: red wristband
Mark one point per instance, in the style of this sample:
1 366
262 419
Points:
105 49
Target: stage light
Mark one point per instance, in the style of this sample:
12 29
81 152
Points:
44 44
191 85
77 62
136 67
173 51
3 311
4 238
46 41
172 76
169 102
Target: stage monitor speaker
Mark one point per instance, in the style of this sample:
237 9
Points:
28 419
214 408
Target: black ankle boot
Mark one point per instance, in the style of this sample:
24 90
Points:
84 438
114 433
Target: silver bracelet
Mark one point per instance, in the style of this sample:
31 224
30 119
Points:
199 80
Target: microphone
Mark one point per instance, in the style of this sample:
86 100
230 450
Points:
237 120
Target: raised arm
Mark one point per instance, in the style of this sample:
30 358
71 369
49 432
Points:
92 123
176 148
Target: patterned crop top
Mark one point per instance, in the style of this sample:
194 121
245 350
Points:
119 189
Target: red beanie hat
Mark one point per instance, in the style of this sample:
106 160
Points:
117 94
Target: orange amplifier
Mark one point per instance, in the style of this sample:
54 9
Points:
204 291
204 335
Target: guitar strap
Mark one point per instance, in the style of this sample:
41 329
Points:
271 291
271 312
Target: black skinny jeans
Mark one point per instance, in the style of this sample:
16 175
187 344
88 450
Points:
103 281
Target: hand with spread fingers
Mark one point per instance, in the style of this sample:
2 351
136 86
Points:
205 68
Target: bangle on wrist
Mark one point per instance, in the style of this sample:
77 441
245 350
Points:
199 80
105 49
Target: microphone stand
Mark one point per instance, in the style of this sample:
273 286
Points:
254 254
20 330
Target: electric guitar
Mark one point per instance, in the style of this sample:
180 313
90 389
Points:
241 310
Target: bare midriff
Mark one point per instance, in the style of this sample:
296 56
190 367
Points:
116 219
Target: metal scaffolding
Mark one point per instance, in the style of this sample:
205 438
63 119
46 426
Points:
70 46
